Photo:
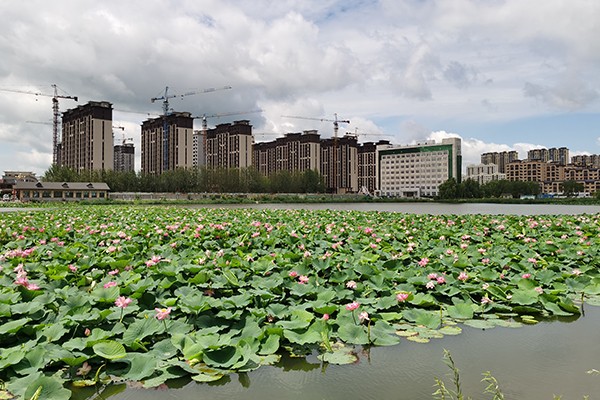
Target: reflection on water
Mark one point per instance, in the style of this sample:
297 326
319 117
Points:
532 362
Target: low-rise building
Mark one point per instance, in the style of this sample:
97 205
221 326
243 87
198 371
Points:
60 191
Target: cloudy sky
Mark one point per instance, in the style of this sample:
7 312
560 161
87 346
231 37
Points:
501 74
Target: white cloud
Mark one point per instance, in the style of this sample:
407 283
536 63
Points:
394 67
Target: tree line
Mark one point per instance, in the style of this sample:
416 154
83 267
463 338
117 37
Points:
471 189
195 180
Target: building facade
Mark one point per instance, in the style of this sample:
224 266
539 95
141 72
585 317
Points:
61 191
229 145
418 170
87 137
557 155
500 159
295 152
339 164
585 160
124 155
368 165
484 173
166 143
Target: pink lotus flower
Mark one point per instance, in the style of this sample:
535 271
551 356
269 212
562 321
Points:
84 370
162 313
110 284
351 285
526 276
539 290
32 286
113 272
576 272
423 262
302 279
430 284
485 300
401 297
433 275
352 306
87 332
72 268
363 316
292 274
441 280
122 301
325 317
463 276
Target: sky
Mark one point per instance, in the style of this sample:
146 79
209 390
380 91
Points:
500 74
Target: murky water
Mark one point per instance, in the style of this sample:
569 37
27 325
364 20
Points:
532 362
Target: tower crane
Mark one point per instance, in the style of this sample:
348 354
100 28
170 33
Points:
335 121
55 114
336 169
166 111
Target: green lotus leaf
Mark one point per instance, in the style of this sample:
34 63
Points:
460 311
480 323
110 349
270 346
352 333
450 330
140 329
418 339
430 319
206 377
309 335
524 296
224 357
141 366
13 326
46 387
339 357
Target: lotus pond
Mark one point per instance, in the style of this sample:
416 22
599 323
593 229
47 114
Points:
90 296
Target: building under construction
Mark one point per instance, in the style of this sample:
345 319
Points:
166 143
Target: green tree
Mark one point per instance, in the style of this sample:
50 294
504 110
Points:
448 189
570 187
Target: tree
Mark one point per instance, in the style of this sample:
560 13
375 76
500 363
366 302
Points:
569 188
448 189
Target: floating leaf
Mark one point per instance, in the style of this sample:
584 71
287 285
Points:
110 350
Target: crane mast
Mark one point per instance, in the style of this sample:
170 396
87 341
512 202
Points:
55 114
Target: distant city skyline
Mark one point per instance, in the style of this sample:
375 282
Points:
501 75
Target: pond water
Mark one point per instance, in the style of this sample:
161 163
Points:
426 208
533 362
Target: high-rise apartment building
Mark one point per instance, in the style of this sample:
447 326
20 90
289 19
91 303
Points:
167 143
293 152
124 155
339 164
484 173
87 137
500 159
558 155
585 160
418 170
368 164
229 145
